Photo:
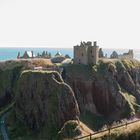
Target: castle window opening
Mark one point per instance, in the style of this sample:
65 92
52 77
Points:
79 61
91 51
82 54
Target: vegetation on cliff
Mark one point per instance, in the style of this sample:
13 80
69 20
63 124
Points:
47 107
131 132
44 102
108 90
10 72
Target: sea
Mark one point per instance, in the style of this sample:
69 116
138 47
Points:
11 53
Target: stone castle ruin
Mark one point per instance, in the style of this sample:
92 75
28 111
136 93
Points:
86 53
129 55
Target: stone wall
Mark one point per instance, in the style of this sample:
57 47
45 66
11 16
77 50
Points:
86 53
80 55
93 52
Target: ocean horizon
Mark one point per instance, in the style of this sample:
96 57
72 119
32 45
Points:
11 53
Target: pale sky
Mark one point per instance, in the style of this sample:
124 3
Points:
64 23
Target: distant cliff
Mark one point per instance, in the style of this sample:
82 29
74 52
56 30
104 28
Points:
110 87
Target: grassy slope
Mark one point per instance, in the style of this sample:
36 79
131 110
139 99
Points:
129 132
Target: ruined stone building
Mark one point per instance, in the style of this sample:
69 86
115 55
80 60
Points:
114 55
129 55
30 54
44 54
86 53
26 55
101 53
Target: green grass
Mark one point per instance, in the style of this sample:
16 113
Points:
93 121
70 129
131 106
131 132
131 63
7 108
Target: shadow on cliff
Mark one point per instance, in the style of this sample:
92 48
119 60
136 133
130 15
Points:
106 92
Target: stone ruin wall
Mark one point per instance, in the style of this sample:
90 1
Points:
93 52
86 54
80 55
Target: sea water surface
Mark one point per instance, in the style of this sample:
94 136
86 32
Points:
11 53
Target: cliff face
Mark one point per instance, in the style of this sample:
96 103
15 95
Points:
8 80
44 103
44 100
108 87
9 74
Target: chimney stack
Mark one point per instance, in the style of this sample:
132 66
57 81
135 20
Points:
94 43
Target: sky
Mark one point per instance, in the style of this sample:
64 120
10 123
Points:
65 23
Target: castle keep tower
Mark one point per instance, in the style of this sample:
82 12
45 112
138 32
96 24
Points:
93 53
86 53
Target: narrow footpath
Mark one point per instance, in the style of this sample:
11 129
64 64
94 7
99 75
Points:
3 115
3 127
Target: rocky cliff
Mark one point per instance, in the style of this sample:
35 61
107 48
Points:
9 74
110 87
46 104
44 100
